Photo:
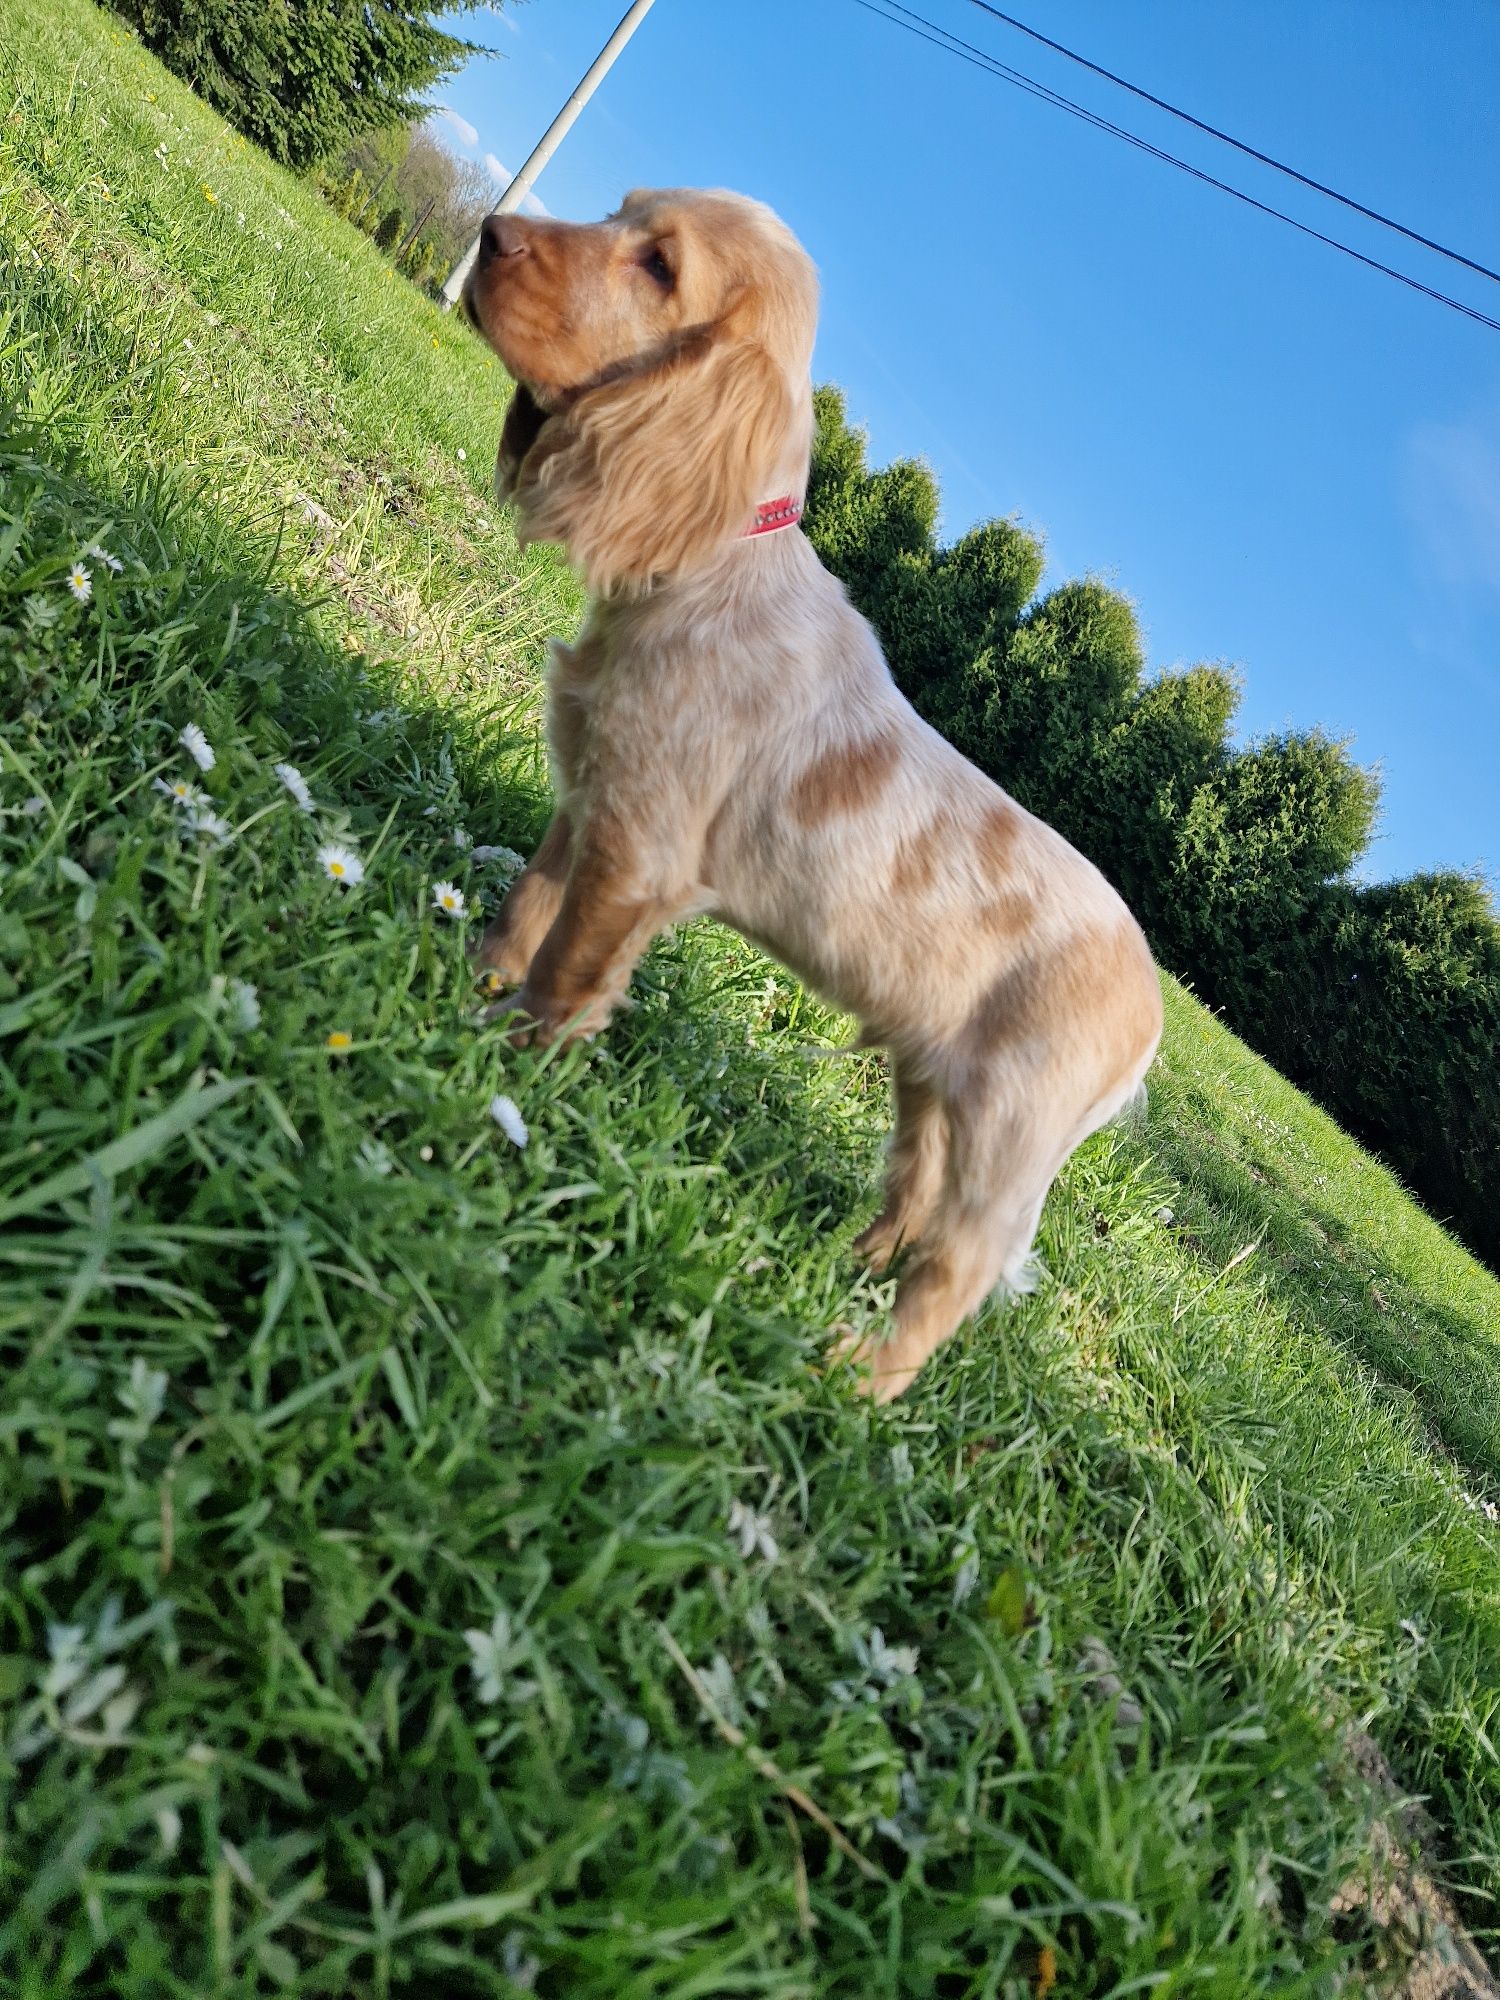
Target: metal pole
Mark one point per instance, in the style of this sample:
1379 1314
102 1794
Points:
360 216
548 144
413 233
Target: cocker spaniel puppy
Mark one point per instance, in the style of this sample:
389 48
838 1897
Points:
726 737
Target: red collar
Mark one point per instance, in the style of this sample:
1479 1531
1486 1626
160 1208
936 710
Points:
773 514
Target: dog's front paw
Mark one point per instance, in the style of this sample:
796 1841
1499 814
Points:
537 1023
877 1245
498 960
881 1370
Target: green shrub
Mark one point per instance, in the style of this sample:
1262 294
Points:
301 80
1384 1002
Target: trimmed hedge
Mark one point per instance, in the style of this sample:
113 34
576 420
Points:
1382 1001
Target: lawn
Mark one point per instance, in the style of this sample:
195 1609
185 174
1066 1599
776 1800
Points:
435 1565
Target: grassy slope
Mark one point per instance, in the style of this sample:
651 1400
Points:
307 1374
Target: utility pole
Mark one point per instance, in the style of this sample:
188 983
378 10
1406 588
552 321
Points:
414 232
360 215
548 144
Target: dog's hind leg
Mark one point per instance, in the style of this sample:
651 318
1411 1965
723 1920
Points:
999 1166
914 1167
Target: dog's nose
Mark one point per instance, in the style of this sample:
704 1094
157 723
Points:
501 236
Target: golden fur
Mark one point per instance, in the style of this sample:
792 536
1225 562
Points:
726 737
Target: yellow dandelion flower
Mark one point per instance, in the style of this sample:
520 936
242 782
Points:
338 1043
209 195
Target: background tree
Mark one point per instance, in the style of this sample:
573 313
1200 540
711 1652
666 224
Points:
1381 1000
301 80
392 182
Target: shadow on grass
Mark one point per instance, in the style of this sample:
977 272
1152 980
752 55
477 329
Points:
1328 1278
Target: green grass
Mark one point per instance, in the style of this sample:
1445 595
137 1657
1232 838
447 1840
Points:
363 1478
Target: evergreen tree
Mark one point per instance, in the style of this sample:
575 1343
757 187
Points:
301 80
1382 1001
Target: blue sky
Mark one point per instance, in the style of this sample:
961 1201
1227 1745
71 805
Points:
1287 462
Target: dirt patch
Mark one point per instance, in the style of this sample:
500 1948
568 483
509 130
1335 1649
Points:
1421 1950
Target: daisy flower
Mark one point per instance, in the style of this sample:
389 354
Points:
179 791
374 1159
98 555
448 899
202 820
80 583
296 784
339 1042
244 1006
462 454
507 1115
753 1532
197 746
341 865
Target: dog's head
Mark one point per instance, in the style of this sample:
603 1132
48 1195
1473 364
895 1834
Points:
661 359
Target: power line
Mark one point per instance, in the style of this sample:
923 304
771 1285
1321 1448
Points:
955 45
1240 145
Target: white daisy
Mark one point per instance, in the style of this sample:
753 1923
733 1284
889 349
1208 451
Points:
753 1532
179 791
296 784
202 820
887 1663
448 899
80 583
197 746
507 1115
374 1159
462 454
111 563
341 865
244 1006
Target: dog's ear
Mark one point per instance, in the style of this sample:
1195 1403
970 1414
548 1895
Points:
644 476
523 426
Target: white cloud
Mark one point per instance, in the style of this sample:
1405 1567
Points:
1454 494
461 126
503 177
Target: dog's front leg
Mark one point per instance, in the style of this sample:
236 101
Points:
616 901
529 910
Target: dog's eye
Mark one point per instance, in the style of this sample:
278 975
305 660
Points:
658 269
